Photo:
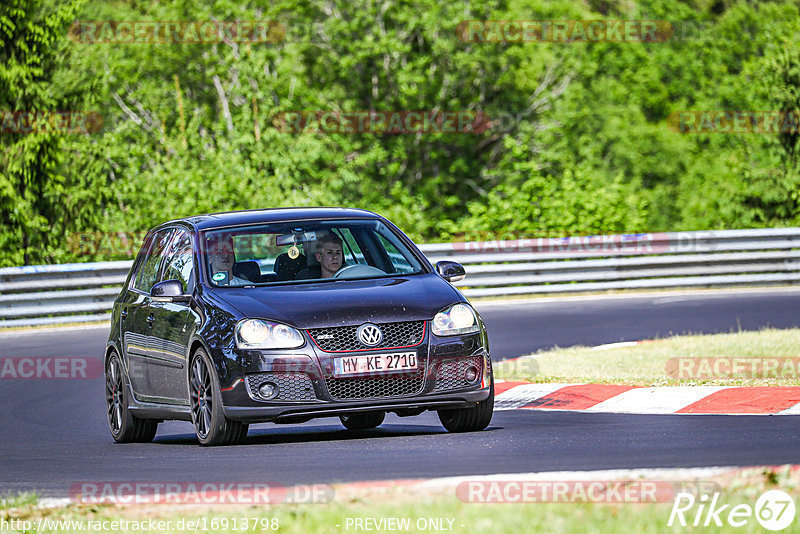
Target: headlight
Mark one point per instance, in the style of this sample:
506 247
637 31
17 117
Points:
457 319
260 334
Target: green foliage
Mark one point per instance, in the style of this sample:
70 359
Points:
34 190
783 88
579 140
577 203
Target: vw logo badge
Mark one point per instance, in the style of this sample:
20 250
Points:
369 334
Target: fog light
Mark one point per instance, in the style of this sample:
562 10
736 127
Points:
268 390
471 374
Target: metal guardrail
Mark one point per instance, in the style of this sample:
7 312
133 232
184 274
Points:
81 292
53 294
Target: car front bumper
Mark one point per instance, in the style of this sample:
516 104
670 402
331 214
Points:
307 387
304 412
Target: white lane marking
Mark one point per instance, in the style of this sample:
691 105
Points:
656 400
794 410
54 503
619 345
519 396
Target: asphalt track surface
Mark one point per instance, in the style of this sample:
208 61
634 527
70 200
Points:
53 433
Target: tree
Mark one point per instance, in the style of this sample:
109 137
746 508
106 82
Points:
32 52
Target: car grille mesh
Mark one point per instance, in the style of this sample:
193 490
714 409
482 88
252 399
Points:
450 373
291 386
344 338
376 388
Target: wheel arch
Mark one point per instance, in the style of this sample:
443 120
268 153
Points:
195 344
111 347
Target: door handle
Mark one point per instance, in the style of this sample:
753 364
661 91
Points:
150 319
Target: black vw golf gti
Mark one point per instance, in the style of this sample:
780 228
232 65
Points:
285 315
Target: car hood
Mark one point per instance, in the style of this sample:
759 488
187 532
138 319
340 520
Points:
345 302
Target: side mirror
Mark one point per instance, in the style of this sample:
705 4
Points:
169 291
450 271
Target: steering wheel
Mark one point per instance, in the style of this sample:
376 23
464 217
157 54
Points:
357 271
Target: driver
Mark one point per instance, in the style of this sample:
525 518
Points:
330 257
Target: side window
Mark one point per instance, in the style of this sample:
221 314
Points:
399 261
148 275
352 252
179 264
141 257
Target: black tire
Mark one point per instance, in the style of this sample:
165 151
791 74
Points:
210 423
469 419
124 426
362 421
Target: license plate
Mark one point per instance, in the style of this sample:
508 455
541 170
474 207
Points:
375 363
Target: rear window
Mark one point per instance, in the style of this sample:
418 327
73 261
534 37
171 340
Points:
287 253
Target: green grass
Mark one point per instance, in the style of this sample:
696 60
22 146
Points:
416 504
646 364
19 501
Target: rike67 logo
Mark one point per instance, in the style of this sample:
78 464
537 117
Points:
774 510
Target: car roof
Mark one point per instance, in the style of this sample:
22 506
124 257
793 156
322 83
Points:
246 217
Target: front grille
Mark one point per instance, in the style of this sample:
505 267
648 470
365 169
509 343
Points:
376 388
450 373
291 386
344 338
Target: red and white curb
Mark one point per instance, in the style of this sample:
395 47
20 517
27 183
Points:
611 398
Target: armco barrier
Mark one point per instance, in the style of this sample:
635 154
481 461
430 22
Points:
51 294
80 292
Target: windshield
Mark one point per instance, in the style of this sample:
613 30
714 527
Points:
281 253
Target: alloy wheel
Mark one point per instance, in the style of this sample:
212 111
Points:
114 400
202 397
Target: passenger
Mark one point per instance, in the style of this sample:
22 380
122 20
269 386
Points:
221 259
